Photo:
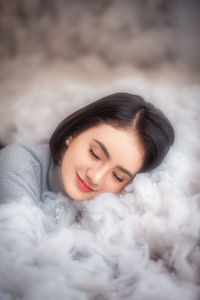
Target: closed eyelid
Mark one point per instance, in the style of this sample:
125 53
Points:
125 171
94 153
117 177
103 148
121 175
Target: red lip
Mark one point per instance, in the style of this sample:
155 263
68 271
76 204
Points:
82 185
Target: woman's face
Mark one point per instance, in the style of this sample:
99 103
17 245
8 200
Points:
101 159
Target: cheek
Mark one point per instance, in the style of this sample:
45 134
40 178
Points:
110 186
76 158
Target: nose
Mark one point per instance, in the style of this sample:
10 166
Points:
97 175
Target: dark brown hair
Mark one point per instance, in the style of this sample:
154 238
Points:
125 111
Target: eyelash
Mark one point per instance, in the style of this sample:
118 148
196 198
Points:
118 178
93 154
97 157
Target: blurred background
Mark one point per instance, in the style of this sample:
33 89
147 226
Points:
145 33
58 55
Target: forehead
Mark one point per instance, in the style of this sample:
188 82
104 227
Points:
123 145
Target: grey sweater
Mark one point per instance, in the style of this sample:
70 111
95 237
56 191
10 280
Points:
28 170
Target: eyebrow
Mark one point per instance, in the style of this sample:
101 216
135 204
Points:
105 151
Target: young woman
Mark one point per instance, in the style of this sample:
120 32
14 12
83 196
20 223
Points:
97 149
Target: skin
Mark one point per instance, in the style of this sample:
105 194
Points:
88 170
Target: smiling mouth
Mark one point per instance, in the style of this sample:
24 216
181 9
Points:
82 185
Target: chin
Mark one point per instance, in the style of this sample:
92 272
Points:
78 196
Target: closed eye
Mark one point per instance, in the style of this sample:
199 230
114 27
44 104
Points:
93 154
117 177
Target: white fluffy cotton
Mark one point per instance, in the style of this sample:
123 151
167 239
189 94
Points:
108 248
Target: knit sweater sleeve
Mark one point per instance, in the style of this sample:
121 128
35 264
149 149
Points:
20 174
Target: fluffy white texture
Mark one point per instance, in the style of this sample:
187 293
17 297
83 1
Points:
108 248
142 244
